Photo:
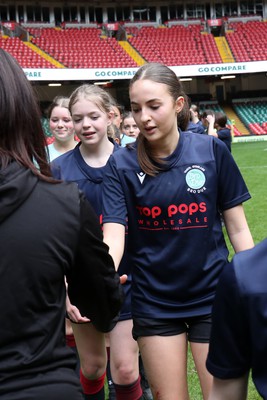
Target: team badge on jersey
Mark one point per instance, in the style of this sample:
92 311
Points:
195 178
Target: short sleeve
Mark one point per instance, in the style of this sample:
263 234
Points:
232 189
114 203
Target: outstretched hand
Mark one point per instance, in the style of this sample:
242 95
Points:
74 313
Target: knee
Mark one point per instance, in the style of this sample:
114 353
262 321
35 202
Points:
93 368
125 373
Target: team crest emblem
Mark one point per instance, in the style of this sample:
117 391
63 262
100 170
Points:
195 178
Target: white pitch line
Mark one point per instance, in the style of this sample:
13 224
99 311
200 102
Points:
252 166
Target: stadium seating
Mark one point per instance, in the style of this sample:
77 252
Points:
83 48
26 57
177 45
254 115
247 42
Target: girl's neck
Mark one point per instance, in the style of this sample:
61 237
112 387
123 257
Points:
63 147
97 155
166 147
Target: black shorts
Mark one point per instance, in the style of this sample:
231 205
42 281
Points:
197 328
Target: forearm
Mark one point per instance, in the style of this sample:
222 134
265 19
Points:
237 228
212 131
114 237
230 389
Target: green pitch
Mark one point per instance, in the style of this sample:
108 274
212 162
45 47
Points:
252 161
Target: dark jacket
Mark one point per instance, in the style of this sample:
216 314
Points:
47 231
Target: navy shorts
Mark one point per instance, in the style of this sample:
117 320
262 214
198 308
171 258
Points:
197 328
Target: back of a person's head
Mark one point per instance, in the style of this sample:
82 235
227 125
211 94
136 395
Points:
194 108
114 133
220 119
207 112
22 137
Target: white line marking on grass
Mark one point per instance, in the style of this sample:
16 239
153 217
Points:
253 166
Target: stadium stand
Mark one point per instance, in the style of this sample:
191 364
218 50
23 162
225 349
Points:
246 40
83 48
233 120
177 45
253 113
26 57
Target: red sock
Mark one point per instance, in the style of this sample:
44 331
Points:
129 392
92 386
70 340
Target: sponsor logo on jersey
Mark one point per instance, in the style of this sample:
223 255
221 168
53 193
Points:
174 217
141 176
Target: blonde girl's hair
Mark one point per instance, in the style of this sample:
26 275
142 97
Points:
103 100
159 73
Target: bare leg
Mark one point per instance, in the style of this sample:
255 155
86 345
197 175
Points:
92 350
165 362
200 352
124 353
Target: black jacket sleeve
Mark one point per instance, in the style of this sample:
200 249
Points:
93 284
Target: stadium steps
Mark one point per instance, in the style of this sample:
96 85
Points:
232 116
132 53
44 55
224 50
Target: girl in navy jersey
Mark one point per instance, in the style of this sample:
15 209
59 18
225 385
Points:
91 110
171 186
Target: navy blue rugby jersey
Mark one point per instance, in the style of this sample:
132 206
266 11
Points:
196 127
71 167
238 337
225 135
175 238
